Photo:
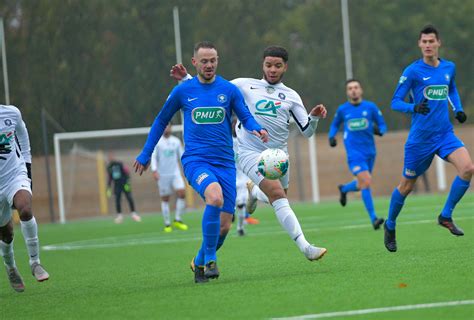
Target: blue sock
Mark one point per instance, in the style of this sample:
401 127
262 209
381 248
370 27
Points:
221 240
350 187
458 189
210 232
369 204
396 205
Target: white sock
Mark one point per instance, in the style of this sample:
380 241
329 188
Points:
30 233
180 206
6 251
289 222
240 217
165 211
257 193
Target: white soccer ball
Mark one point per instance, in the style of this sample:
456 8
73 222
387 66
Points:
273 163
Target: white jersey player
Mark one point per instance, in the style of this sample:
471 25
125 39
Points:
272 104
15 188
165 167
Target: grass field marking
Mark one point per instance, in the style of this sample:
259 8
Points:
379 310
119 242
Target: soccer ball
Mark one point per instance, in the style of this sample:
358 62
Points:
273 163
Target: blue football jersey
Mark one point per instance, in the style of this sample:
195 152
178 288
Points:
436 84
358 123
207 110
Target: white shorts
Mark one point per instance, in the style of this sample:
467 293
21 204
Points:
8 191
248 161
169 183
242 192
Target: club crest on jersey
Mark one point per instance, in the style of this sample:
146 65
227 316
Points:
222 98
446 76
357 124
270 89
282 96
8 122
364 113
208 115
436 92
267 108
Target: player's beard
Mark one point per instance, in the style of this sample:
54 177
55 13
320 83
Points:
272 82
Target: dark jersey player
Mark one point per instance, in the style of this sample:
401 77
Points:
430 81
119 175
361 119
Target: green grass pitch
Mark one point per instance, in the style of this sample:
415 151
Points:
100 270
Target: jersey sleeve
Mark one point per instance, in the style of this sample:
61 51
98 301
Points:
171 106
154 159
379 120
243 113
454 98
21 133
404 86
336 123
307 124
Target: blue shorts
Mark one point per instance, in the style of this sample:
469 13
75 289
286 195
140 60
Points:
201 174
419 155
357 166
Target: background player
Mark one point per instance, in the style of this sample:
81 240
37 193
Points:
431 81
165 167
241 185
272 104
207 102
362 119
120 176
15 184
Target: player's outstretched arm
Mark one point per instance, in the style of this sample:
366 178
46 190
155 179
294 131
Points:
170 107
334 128
403 87
455 100
307 123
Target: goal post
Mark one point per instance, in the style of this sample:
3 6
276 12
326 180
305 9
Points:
97 157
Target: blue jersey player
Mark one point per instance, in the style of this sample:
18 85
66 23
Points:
362 119
207 102
430 81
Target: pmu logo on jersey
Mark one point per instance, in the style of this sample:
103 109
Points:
357 124
267 107
436 92
208 115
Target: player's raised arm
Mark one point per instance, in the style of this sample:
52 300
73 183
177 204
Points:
377 117
246 118
455 100
170 107
403 87
179 72
335 124
307 123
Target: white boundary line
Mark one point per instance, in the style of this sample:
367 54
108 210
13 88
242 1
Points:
147 239
379 310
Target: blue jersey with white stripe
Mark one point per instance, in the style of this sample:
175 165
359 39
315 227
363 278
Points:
207 110
358 123
437 84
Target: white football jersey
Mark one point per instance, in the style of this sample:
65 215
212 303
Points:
14 143
166 156
272 106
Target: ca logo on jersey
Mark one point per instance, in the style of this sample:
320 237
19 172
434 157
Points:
436 92
267 108
5 142
208 115
357 124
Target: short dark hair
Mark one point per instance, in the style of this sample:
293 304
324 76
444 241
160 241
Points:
429 29
204 44
353 80
276 51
